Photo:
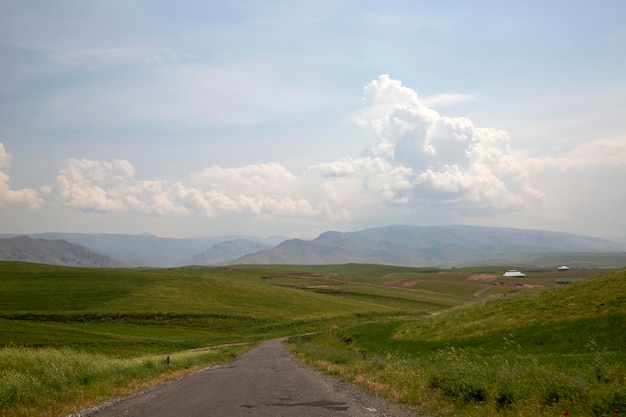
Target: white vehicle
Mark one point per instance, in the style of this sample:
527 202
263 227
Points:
563 268
514 273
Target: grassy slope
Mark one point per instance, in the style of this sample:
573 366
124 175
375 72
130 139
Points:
130 312
137 311
538 353
558 320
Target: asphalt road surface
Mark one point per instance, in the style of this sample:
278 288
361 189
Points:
264 382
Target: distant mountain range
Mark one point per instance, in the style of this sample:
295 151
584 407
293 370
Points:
226 251
53 252
442 246
150 250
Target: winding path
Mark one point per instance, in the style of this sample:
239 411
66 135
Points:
266 381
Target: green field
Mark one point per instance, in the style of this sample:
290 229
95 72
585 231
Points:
539 353
73 337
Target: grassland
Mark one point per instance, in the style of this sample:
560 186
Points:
542 353
72 337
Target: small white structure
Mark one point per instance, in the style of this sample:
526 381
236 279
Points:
514 273
563 268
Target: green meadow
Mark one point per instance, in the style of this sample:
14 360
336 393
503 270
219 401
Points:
546 352
71 338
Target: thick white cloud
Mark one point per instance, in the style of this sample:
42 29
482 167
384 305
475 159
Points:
25 197
95 186
362 179
422 156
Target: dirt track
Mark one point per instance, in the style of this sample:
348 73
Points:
264 382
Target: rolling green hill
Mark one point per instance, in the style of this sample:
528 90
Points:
134 311
546 352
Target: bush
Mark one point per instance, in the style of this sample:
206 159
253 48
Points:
561 388
459 388
504 398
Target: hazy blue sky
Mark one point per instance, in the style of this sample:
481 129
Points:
200 118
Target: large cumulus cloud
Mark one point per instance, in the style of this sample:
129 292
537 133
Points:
422 156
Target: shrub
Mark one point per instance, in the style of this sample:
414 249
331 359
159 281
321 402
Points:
562 388
504 398
459 388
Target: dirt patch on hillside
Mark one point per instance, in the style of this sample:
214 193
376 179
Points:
483 277
531 286
310 275
499 295
402 283
517 287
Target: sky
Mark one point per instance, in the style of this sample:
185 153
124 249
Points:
207 118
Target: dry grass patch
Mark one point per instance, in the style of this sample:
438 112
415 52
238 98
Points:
483 277
402 283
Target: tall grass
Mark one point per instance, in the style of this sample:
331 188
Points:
456 381
37 378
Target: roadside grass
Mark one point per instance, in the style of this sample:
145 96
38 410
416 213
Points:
50 381
541 353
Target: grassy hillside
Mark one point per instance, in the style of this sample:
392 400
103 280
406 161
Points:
73 337
130 311
539 353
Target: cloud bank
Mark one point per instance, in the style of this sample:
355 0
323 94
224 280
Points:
414 157
262 190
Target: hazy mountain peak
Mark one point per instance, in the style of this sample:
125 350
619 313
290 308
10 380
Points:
447 245
54 252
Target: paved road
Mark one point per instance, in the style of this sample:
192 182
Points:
264 382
